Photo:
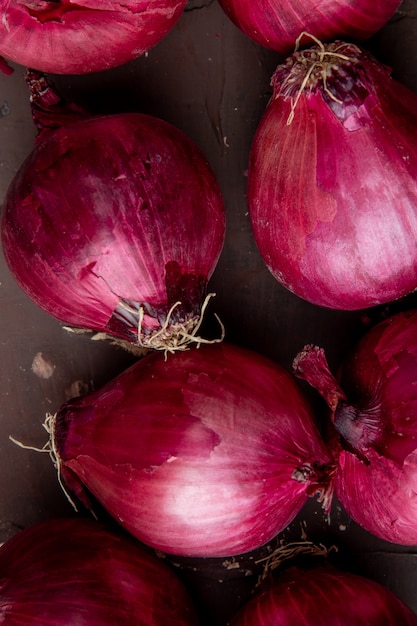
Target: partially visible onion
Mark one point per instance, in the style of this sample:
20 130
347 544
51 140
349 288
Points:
86 36
114 224
209 453
374 410
332 185
276 24
75 571
324 596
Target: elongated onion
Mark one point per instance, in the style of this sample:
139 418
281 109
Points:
332 185
211 452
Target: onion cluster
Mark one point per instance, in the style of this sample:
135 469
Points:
114 225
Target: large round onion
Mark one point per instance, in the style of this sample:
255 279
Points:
211 452
333 179
374 410
276 24
115 224
74 571
65 37
324 596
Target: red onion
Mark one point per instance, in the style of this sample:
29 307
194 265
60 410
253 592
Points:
76 571
333 179
374 410
115 224
209 453
322 596
68 37
276 24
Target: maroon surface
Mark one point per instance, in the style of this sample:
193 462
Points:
212 82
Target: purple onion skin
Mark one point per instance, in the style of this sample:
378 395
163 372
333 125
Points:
324 596
83 37
111 210
209 453
374 410
76 571
276 24
333 193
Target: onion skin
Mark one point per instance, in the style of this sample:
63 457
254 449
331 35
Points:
332 185
276 24
209 453
83 37
77 571
322 596
374 411
114 216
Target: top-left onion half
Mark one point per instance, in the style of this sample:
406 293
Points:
83 36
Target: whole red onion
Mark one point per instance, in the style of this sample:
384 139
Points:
332 185
114 224
209 453
374 410
276 24
77 571
68 37
324 596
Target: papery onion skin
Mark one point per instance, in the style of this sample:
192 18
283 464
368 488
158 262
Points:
77 571
276 24
113 217
322 596
83 37
332 184
374 410
209 453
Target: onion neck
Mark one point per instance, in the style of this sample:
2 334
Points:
311 365
360 427
335 70
49 109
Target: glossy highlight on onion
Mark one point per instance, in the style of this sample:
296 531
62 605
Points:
373 405
323 596
64 37
114 224
332 185
276 24
68 571
210 452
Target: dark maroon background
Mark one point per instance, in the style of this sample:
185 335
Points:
212 82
